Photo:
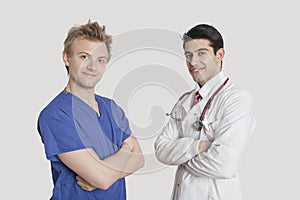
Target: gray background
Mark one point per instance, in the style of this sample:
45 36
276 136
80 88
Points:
261 43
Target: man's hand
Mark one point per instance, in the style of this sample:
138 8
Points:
84 185
127 160
203 146
125 147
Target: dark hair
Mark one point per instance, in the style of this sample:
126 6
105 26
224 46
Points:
205 31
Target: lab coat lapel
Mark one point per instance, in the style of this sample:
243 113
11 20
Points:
187 106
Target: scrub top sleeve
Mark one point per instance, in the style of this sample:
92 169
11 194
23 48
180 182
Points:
121 120
58 133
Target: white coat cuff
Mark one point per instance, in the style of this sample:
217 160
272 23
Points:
193 150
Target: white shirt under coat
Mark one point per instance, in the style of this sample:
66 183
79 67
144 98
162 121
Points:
228 123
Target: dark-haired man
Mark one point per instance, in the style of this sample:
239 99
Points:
209 126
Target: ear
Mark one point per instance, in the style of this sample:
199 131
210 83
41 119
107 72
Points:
66 58
220 54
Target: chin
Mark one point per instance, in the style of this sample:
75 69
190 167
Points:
196 78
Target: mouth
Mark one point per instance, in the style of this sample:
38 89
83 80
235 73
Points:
89 74
196 69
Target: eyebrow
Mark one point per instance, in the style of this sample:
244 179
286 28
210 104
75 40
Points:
201 49
83 52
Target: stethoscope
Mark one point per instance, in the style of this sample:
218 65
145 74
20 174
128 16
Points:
199 123
173 117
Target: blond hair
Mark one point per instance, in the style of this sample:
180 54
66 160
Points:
90 31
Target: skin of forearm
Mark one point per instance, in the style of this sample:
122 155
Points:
126 160
203 146
118 161
134 163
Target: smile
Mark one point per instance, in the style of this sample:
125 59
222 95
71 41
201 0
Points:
89 74
195 69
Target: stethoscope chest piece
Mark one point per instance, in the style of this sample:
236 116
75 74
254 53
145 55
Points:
198 125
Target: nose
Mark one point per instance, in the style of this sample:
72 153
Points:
91 65
194 61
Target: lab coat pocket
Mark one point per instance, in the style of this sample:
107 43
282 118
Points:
188 129
214 124
210 129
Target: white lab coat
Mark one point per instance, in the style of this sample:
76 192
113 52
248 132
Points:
228 123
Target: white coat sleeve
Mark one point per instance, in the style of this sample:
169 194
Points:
171 149
222 160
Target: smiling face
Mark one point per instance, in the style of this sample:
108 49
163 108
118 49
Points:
203 64
86 63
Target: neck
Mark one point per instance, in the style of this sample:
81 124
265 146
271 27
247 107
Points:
201 84
87 95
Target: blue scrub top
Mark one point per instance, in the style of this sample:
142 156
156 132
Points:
69 124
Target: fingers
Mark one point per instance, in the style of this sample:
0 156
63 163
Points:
125 147
78 178
84 185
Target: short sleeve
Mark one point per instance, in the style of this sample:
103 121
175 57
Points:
121 120
58 133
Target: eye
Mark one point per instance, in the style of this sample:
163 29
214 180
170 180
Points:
200 53
188 56
102 60
84 57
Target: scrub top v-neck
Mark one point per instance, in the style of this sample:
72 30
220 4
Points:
68 124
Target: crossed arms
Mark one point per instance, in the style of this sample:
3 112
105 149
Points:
219 159
95 173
